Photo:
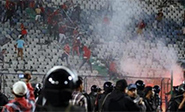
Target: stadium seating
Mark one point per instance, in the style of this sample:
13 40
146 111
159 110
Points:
39 56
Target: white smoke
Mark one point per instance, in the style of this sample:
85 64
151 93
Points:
141 55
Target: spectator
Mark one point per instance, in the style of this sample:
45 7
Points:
53 25
149 93
49 22
1 10
13 21
183 24
132 93
64 9
62 37
9 12
31 13
159 16
38 14
7 3
26 4
21 4
2 55
76 14
76 45
43 14
77 97
66 53
141 26
59 83
23 30
39 2
55 29
183 30
24 97
112 69
75 32
86 57
119 101
48 10
3 99
106 20
20 45
183 20
32 4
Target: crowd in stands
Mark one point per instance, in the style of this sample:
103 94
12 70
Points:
62 25
62 90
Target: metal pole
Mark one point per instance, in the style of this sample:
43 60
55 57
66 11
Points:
162 87
171 82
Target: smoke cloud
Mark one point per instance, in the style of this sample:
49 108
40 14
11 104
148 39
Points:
139 55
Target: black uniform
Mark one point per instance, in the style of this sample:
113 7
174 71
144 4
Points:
157 102
173 104
101 100
93 96
59 83
140 93
68 108
119 101
149 105
3 100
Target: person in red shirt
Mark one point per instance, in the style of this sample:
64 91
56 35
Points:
106 20
7 4
62 37
32 4
75 32
66 53
112 69
23 30
24 100
141 26
76 45
86 57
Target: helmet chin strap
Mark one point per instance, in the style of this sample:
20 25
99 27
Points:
43 101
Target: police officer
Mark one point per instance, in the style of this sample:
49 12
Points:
175 102
58 86
148 98
157 99
108 88
37 90
119 101
93 96
140 87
